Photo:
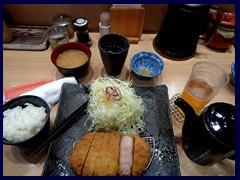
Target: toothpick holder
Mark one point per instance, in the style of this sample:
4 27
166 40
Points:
103 30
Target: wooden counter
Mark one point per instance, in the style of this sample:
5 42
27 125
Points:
27 66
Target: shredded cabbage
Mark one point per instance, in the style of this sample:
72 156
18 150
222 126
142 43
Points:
124 116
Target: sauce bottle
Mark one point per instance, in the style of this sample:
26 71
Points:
225 35
81 28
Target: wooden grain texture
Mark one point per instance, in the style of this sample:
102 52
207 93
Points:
127 21
27 66
41 14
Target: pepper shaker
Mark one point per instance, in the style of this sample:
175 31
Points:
81 28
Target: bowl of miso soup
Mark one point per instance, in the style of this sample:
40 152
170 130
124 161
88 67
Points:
72 59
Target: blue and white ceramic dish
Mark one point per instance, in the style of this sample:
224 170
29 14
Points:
233 69
146 65
233 72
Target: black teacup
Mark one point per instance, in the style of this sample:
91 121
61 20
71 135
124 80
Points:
113 50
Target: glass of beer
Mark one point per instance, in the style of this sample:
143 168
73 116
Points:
204 83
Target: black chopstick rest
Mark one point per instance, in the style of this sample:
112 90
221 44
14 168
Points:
77 114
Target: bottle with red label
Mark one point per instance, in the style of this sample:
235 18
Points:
225 35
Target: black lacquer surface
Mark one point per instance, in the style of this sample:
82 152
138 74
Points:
158 125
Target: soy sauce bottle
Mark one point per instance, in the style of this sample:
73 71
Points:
81 28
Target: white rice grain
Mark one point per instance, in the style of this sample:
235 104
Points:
20 124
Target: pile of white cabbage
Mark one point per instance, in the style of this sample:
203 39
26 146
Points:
123 112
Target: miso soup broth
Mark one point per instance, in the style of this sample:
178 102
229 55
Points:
72 59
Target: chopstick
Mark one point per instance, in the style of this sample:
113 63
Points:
77 114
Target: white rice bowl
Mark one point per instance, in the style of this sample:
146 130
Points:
22 123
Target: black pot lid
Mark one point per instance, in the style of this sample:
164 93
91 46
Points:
194 7
219 118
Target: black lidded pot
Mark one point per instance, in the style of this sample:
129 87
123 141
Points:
179 33
210 137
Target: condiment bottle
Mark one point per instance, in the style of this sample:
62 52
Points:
64 20
225 35
81 28
57 35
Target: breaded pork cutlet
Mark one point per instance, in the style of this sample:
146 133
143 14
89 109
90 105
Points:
100 168
80 152
93 155
113 154
110 154
141 156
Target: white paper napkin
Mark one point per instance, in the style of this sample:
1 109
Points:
50 92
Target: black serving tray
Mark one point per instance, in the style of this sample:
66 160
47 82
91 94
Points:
158 125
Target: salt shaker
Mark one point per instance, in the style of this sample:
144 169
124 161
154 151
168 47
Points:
81 28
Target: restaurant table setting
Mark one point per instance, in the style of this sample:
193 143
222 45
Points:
188 97
159 170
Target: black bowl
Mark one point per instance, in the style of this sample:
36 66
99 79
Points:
77 72
36 101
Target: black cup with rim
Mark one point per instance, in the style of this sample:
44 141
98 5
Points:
113 50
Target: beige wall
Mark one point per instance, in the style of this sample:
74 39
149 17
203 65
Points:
41 14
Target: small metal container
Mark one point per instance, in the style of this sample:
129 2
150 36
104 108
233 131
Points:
57 35
81 28
66 21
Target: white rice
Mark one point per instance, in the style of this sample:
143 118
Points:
20 124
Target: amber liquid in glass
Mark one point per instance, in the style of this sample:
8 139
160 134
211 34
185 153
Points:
197 94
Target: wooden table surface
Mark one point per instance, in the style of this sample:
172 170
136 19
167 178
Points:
27 66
